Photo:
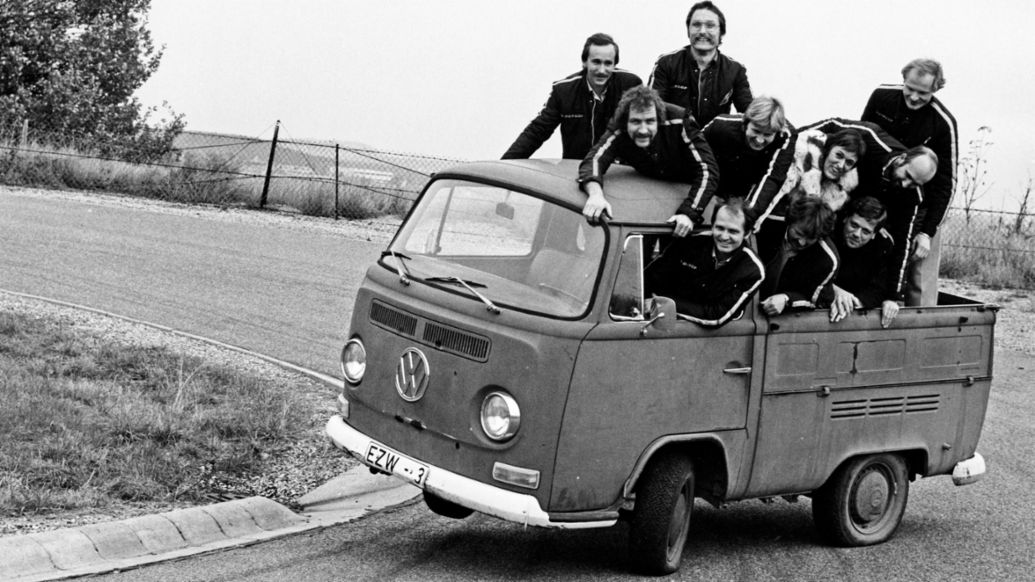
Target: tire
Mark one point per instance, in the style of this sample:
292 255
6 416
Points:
444 507
661 517
863 501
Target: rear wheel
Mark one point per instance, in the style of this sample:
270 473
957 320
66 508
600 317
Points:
661 517
863 502
444 507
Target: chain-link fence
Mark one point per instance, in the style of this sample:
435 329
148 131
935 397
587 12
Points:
323 179
997 248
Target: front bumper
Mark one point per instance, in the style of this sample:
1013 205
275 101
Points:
969 471
488 499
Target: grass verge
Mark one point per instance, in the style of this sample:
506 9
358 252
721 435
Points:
90 422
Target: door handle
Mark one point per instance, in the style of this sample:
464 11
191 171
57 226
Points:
737 371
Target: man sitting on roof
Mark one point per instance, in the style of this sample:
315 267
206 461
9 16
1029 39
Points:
659 141
710 275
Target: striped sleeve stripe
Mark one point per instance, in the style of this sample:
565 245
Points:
950 122
600 151
650 79
740 300
567 80
753 197
833 271
905 255
705 177
856 126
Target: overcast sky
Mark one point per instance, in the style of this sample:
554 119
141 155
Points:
461 78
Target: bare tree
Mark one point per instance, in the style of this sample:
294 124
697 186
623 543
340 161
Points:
973 183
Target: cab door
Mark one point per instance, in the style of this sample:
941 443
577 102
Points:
639 378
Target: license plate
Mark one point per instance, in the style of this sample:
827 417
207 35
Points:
392 462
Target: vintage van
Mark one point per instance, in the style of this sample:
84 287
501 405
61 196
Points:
505 357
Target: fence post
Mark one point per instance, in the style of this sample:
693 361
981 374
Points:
269 167
25 134
337 148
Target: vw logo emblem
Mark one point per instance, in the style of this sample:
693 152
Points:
411 376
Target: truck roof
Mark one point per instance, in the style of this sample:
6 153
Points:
634 197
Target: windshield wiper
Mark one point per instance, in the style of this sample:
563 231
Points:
404 271
469 285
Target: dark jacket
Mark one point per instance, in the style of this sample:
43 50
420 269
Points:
803 276
705 94
933 126
863 272
704 293
679 153
743 169
573 106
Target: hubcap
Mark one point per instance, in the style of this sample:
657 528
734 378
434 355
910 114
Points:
871 497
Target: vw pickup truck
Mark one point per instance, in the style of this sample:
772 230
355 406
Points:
505 357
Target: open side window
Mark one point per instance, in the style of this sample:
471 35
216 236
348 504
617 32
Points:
627 300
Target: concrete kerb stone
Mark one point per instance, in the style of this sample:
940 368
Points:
177 534
156 533
114 541
22 556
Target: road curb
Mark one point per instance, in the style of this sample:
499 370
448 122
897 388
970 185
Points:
134 542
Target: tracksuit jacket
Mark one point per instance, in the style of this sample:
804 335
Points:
704 293
572 105
862 271
804 275
679 153
704 94
933 126
743 169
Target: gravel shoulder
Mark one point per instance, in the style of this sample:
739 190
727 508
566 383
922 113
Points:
306 464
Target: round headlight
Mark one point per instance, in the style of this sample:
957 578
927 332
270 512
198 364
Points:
500 416
353 361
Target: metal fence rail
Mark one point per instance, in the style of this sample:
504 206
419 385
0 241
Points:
324 179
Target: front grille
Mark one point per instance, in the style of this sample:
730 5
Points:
442 337
393 319
456 341
885 406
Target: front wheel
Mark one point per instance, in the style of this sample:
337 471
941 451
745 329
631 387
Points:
863 502
661 517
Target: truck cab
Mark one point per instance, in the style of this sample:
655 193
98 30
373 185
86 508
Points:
505 356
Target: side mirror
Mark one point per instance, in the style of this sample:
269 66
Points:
505 210
661 315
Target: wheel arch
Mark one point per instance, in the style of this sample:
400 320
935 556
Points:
915 458
708 454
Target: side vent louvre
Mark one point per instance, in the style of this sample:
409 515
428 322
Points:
456 341
886 406
393 319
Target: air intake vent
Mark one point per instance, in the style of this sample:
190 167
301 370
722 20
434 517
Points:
397 321
456 341
886 406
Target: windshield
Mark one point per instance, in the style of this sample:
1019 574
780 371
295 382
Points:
508 249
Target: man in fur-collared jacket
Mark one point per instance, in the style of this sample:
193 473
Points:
698 77
582 103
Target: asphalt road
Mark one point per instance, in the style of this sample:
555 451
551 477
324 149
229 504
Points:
288 294
283 292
